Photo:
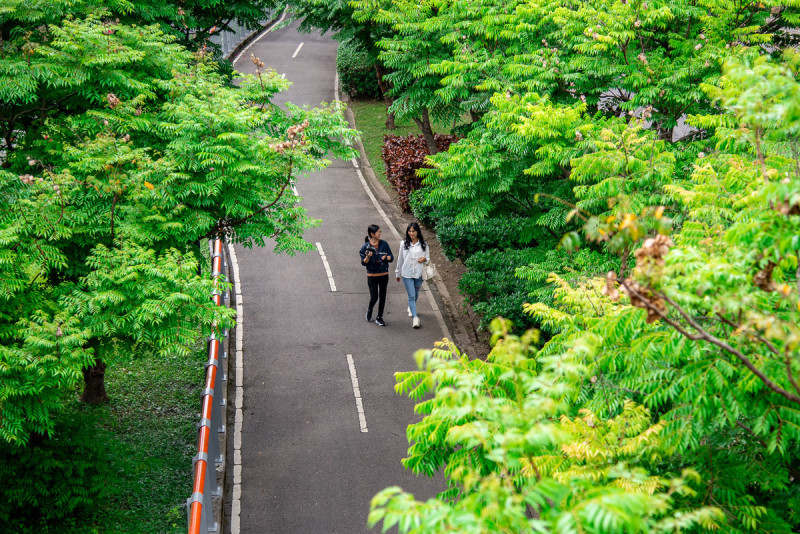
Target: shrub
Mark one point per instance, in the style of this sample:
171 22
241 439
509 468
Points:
425 211
463 240
498 282
491 287
357 71
47 487
403 155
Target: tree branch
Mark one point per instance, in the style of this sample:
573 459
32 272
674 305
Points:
564 202
758 336
221 225
703 335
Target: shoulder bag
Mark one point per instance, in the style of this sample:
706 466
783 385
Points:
429 271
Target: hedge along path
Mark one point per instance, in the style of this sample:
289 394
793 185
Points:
403 156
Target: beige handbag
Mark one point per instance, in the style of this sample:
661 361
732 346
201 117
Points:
429 272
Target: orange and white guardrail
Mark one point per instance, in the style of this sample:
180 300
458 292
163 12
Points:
211 429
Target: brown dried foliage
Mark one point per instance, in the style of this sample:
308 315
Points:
403 155
763 279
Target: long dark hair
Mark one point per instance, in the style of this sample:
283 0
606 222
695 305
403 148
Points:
371 229
415 226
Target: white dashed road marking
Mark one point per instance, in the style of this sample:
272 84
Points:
262 34
327 267
298 50
357 392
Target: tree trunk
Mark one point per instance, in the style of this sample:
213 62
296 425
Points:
380 72
424 124
36 440
198 254
664 134
94 383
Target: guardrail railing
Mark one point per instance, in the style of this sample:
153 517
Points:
229 40
211 429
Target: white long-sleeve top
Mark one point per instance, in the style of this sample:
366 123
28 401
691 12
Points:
408 265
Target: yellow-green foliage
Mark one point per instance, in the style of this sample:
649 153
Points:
668 385
503 433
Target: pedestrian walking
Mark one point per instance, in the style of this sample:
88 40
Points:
410 263
376 255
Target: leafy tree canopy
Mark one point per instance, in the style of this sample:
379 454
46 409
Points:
122 151
667 400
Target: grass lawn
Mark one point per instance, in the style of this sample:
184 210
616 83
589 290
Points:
151 422
371 122
121 468
370 118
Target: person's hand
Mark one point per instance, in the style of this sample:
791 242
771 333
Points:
422 260
397 278
384 257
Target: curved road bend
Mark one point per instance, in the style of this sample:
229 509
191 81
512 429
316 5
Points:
311 461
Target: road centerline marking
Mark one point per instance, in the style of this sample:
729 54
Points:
327 266
362 420
298 50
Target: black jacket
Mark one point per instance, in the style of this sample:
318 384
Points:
376 265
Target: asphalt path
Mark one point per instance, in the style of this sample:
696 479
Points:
311 459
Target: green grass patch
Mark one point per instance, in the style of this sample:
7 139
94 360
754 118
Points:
124 467
370 116
151 418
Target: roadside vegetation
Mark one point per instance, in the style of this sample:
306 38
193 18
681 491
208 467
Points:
370 116
124 147
641 281
635 167
117 468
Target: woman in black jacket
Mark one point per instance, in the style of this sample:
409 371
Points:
376 255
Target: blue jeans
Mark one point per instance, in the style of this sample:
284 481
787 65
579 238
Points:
412 288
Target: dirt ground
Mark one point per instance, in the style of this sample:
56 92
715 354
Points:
450 273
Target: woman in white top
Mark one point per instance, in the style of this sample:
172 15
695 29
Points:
412 259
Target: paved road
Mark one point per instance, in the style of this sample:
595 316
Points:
308 464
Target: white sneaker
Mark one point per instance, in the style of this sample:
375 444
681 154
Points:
415 322
408 309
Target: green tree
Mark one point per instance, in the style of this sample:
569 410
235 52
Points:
409 52
193 22
519 457
341 18
145 151
694 352
619 58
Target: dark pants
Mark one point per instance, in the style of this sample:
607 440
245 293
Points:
377 292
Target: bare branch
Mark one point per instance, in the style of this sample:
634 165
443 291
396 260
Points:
755 334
